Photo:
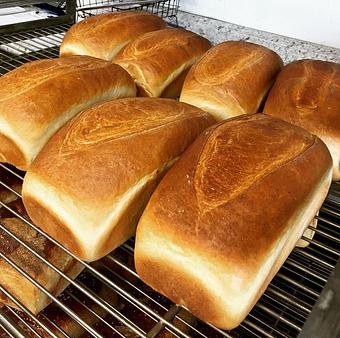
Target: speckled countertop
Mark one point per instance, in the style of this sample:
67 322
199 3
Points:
288 48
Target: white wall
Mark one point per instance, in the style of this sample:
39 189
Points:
314 20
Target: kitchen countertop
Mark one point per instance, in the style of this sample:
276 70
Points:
288 48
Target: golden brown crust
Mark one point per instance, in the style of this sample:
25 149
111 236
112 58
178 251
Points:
231 79
175 87
125 226
156 59
40 96
57 229
103 35
29 295
11 153
223 208
127 130
93 164
307 94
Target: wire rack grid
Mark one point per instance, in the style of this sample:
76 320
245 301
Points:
163 8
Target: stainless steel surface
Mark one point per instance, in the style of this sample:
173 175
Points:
139 311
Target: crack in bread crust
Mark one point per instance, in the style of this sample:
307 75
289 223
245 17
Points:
210 188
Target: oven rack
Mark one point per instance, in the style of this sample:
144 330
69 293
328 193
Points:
140 312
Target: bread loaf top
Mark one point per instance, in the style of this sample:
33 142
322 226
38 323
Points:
104 35
307 94
35 89
124 134
231 79
40 96
156 59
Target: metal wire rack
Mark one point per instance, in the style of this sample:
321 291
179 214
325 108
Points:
19 48
163 8
137 310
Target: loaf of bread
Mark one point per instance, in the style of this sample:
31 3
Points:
159 61
104 35
226 216
20 287
37 98
307 94
231 79
90 183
